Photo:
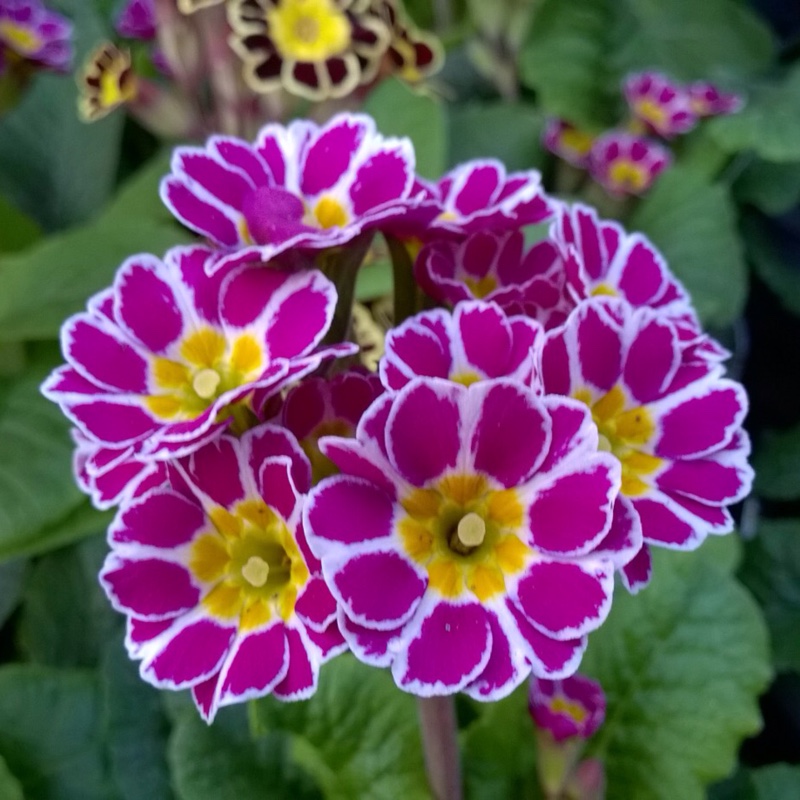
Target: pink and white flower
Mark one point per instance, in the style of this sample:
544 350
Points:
670 418
627 164
29 31
572 707
707 100
568 142
658 104
476 342
465 539
221 591
300 186
168 357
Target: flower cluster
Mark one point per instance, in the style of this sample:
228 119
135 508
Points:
460 515
32 36
628 159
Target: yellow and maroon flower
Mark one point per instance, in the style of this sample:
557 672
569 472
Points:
312 48
412 55
107 82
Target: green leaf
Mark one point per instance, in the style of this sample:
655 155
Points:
221 762
401 111
66 619
693 223
136 729
565 60
508 132
10 787
53 279
53 166
773 259
771 570
777 465
358 735
50 733
12 580
17 230
374 280
776 782
682 665
771 187
499 751
769 124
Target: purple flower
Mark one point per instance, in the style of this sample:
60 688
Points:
31 32
661 106
465 538
213 572
708 101
300 186
568 142
137 20
626 164
574 706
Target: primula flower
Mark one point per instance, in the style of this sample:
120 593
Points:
568 142
464 539
319 407
31 32
707 100
215 576
626 164
661 106
412 54
572 707
671 420
137 20
300 186
169 357
474 343
496 267
313 48
107 82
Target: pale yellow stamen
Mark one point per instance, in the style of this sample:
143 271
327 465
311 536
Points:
471 530
603 444
206 382
255 571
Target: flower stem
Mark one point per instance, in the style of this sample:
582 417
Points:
437 720
405 287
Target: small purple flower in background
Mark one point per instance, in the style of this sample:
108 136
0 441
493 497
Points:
474 343
465 538
30 32
574 706
301 186
627 164
670 418
658 104
221 592
169 357
568 142
137 20
708 101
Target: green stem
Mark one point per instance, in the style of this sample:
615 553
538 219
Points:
437 720
405 287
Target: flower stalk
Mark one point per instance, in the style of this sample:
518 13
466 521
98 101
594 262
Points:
437 719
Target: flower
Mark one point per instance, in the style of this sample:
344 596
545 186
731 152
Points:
168 357
137 20
464 537
107 82
626 164
214 574
568 142
476 342
412 54
300 186
313 48
661 106
495 267
707 100
671 419
31 32
574 706
319 407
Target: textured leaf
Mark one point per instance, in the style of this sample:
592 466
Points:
508 132
682 664
358 735
401 111
777 465
769 124
771 570
693 223
46 283
136 729
50 733
771 187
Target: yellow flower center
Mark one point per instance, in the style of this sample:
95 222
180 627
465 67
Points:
466 534
251 563
624 432
309 30
560 705
21 39
627 174
116 88
576 141
329 213
651 112
321 465
204 366
480 287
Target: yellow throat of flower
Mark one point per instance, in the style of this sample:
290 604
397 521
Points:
19 38
309 30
